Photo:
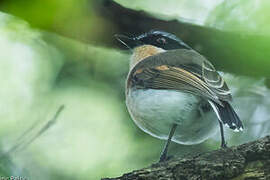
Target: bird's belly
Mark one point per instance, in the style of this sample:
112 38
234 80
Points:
155 111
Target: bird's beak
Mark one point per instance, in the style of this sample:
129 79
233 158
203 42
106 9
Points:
127 41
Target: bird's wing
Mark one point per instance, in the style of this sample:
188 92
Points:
183 70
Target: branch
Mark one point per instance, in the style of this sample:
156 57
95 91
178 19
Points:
246 161
29 135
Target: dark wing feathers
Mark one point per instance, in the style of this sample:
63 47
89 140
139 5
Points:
215 81
187 71
174 78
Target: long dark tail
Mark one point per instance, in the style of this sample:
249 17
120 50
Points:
228 116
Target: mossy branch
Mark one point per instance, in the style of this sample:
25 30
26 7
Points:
246 161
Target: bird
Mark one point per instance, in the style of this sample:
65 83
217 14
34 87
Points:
174 93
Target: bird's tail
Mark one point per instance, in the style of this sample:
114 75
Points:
227 115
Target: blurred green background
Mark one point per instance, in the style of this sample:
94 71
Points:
63 52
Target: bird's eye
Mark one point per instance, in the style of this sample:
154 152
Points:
161 40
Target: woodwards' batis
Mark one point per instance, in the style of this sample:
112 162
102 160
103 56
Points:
174 93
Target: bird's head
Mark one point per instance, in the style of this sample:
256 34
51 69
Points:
150 43
160 39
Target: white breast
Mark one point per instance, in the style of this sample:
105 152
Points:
154 111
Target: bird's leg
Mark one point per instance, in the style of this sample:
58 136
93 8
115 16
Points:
223 143
163 156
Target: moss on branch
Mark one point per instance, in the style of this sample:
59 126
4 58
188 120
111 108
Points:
244 162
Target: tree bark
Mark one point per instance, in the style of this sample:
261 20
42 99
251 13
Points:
244 162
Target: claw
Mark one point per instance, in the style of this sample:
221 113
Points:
223 145
166 158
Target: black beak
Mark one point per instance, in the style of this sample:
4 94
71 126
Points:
127 41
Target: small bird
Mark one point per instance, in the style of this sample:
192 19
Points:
174 93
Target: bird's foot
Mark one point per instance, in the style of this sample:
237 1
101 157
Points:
223 145
165 158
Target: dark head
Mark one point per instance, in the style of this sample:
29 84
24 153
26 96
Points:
156 38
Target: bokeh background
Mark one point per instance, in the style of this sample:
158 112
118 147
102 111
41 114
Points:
63 52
